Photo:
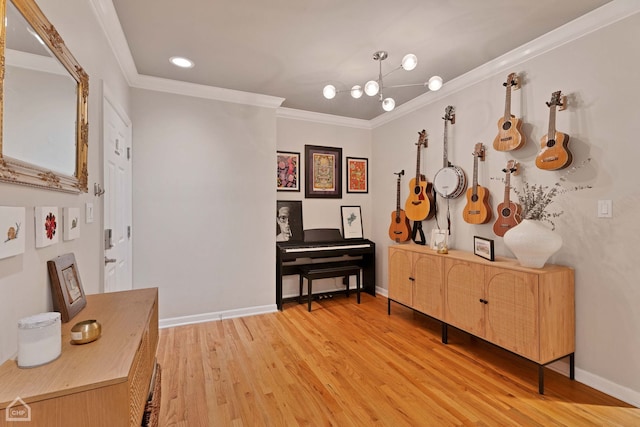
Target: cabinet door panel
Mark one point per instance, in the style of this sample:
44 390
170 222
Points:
464 283
400 285
427 296
512 311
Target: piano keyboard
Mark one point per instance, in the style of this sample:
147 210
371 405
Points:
327 248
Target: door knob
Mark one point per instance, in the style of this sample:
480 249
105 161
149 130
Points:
108 260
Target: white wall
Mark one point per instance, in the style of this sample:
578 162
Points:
599 74
293 135
24 280
203 204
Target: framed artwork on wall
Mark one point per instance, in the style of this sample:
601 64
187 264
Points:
288 171
12 223
351 222
66 286
71 218
323 169
46 226
357 175
289 221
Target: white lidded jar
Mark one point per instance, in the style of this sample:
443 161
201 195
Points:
39 339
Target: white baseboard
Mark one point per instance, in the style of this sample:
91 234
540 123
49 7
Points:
220 315
632 397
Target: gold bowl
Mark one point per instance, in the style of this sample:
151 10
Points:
85 331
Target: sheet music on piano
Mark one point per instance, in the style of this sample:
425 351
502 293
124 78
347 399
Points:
324 245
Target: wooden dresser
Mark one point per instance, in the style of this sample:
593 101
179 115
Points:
103 383
528 311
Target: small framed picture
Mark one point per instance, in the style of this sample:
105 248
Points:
66 286
439 239
46 226
357 175
288 171
323 172
289 221
483 247
351 222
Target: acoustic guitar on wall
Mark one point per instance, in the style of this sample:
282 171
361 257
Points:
477 209
509 135
400 229
508 211
554 153
419 204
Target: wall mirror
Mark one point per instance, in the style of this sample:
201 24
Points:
43 103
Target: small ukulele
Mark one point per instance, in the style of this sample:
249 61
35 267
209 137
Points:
419 204
400 229
477 209
509 135
554 153
508 211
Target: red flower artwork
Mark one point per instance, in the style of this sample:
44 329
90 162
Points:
50 225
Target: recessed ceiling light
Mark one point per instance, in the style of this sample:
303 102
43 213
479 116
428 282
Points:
179 61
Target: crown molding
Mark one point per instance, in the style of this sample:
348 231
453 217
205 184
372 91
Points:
202 91
605 15
309 116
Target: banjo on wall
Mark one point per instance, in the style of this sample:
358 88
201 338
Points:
450 181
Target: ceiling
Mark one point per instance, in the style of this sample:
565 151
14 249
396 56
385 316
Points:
293 48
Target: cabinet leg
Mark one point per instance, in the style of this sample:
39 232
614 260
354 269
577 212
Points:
572 366
540 379
388 307
445 334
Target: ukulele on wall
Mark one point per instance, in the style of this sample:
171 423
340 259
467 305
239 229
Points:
400 229
477 209
509 135
419 204
450 181
554 153
508 211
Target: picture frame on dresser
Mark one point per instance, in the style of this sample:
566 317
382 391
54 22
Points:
66 286
439 237
483 248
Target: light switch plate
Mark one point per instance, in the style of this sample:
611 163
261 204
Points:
88 213
605 209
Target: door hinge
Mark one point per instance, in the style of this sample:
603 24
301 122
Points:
128 153
128 231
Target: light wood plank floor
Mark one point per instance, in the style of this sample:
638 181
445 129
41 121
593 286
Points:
345 364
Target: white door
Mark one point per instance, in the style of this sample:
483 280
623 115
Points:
117 198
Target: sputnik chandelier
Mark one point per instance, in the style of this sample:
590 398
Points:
376 87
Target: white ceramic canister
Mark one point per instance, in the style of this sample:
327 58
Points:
39 339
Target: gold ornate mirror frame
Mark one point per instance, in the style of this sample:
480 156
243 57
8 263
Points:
18 172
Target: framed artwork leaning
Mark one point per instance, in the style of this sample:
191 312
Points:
66 286
323 172
351 222
289 221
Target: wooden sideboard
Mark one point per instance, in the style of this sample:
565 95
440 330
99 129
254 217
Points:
102 383
528 311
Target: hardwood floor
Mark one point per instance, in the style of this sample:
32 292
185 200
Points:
345 364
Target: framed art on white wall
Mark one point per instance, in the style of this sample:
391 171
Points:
351 222
46 226
12 222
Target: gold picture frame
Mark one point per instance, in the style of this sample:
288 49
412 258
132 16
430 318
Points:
66 287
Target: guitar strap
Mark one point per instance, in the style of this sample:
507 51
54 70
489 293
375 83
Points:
417 228
448 219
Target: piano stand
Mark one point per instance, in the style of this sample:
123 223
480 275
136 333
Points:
319 271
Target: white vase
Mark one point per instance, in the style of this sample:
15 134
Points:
532 243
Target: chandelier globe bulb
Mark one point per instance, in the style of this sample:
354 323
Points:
435 83
371 88
329 91
409 62
388 104
356 91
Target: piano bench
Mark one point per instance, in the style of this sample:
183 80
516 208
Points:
320 271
